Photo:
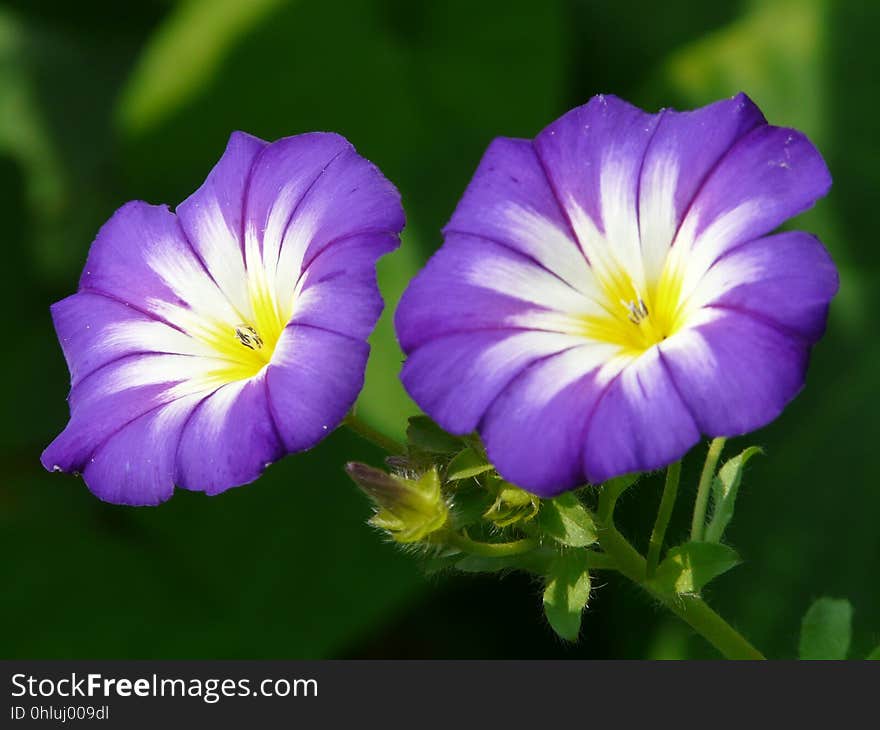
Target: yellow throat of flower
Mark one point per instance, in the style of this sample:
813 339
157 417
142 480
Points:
246 346
636 319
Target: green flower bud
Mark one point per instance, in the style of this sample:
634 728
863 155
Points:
511 505
407 509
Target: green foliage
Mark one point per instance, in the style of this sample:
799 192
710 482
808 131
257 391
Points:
687 568
725 487
567 521
467 464
185 54
422 434
566 593
874 655
826 630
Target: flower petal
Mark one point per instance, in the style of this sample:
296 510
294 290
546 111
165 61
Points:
136 465
455 378
141 257
350 198
788 279
94 330
212 220
510 201
313 380
534 431
118 393
736 372
229 439
639 424
684 150
339 290
593 157
474 283
768 176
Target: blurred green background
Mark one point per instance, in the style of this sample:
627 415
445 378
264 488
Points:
102 102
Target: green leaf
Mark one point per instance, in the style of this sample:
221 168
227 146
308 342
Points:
566 594
425 435
469 505
467 464
689 567
874 655
567 521
724 491
184 55
826 629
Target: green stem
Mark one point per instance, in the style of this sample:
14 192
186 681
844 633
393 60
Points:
664 513
368 433
698 524
691 609
490 549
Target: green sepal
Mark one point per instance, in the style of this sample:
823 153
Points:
687 568
826 629
511 504
724 490
466 464
567 521
423 435
469 505
566 593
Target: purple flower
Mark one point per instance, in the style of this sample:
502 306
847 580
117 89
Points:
609 292
205 344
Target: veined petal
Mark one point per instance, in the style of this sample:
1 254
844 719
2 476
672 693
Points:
136 464
640 422
313 381
94 330
736 372
338 290
212 218
593 156
229 438
455 378
510 202
474 283
787 279
534 431
685 149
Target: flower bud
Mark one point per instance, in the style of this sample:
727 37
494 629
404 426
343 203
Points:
511 505
408 509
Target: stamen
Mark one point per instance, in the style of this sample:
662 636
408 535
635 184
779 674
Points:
248 337
638 312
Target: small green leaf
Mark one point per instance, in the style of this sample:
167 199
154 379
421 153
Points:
826 629
425 435
566 594
567 521
874 655
689 567
724 490
467 464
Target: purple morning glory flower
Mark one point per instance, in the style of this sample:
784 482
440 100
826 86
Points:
609 292
205 344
